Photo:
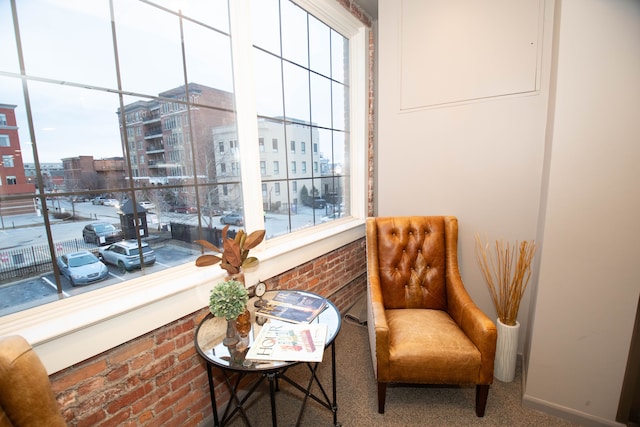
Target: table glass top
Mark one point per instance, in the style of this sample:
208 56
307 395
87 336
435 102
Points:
212 330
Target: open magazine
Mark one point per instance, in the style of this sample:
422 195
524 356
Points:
293 306
288 342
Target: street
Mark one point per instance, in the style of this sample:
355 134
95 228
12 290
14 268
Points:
23 231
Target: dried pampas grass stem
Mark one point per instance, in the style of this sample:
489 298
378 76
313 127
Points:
507 271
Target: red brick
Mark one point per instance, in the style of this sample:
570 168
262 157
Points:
91 420
160 379
127 351
76 374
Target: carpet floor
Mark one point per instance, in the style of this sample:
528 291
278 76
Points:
405 406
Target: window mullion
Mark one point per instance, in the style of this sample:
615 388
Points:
244 89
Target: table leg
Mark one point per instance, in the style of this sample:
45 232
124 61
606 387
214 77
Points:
334 407
212 393
273 378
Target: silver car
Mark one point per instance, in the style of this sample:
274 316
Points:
101 233
125 255
81 268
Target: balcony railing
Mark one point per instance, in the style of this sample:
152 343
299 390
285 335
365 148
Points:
155 149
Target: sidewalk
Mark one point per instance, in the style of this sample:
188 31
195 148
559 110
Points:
24 220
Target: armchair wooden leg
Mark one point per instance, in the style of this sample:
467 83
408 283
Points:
482 392
382 393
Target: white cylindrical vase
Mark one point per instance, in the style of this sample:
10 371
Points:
504 367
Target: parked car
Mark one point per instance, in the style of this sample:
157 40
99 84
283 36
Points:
316 202
184 209
111 202
147 205
78 199
82 268
98 201
126 256
234 218
101 233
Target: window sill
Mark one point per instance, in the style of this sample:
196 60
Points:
68 331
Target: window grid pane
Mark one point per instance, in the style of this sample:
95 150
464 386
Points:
165 152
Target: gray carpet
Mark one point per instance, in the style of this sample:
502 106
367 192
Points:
405 406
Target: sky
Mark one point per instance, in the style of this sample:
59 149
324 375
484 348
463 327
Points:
68 50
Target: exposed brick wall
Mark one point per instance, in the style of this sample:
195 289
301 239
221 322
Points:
159 379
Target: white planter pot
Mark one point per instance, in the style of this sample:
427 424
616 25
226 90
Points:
504 368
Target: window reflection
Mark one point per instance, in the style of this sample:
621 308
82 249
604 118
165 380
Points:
266 25
149 50
134 125
51 45
312 152
294 36
141 159
9 57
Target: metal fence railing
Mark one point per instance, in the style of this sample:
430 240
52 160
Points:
29 261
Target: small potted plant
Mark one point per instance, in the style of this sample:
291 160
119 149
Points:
229 300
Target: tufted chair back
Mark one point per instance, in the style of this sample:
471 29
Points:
26 397
423 326
411 257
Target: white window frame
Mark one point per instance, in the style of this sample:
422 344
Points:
71 330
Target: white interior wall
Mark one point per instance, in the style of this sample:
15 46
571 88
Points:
485 162
478 160
588 281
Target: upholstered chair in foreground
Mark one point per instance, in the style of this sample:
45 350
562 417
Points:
423 326
26 397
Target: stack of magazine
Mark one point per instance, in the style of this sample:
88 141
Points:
293 307
289 335
283 341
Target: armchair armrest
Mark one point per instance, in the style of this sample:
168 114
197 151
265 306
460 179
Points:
378 330
376 318
473 321
475 324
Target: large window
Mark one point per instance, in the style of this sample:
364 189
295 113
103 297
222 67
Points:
155 121
302 96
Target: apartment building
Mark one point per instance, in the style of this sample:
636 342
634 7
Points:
13 181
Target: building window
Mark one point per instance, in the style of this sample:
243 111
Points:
302 92
293 146
11 180
7 161
303 147
3 119
276 167
263 167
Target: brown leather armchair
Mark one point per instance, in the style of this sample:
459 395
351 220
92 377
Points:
26 397
423 326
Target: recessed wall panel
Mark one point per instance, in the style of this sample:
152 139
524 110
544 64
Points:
463 50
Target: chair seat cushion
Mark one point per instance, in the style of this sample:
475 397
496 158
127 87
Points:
427 346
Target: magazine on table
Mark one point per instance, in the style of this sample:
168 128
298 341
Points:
293 306
289 342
